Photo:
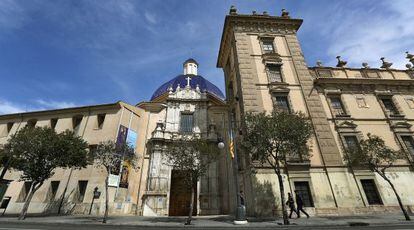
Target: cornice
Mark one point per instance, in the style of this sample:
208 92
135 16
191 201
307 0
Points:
81 109
395 86
254 24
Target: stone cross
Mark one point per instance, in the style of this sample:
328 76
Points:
188 81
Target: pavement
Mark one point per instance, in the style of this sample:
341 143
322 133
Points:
203 222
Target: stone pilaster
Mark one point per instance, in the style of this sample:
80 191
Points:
328 146
251 97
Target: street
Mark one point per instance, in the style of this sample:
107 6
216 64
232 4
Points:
54 226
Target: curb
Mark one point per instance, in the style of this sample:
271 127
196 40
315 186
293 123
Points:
274 225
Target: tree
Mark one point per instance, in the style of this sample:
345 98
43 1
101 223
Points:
273 138
374 154
38 151
7 161
191 158
110 156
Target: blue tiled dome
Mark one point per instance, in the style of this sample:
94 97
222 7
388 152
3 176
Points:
202 83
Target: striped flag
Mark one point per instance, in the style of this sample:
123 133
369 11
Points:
231 145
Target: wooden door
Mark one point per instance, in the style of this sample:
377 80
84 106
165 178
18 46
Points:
180 196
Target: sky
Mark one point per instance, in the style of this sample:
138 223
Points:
62 53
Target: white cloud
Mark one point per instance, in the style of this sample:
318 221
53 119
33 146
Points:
150 17
55 104
365 34
12 15
7 107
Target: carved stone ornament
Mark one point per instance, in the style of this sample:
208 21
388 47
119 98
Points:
272 58
340 63
385 65
401 124
410 57
346 126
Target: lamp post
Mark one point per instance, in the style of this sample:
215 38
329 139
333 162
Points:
240 209
96 195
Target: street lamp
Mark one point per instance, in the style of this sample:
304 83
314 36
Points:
220 143
96 195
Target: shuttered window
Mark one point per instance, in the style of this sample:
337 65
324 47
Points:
409 143
302 187
282 104
371 191
273 73
337 106
186 123
267 47
351 142
389 106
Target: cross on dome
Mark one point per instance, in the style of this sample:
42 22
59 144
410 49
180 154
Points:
188 78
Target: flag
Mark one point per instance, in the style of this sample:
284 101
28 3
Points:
231 145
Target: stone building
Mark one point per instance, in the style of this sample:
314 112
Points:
264 69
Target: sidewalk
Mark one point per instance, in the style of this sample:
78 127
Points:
214 221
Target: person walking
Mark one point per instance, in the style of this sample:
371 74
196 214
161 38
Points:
291 204
299 204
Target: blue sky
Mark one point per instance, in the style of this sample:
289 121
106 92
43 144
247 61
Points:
62 53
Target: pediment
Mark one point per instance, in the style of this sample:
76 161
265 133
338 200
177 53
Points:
279 87
401 124
346 125
272 58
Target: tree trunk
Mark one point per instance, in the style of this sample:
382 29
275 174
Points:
106 200
33 189
282 199
407 217
190 214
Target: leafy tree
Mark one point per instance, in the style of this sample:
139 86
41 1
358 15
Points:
38 151
274 138
7 161
191 158
110 155
4 162
378 157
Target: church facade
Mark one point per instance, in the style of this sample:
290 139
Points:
264 69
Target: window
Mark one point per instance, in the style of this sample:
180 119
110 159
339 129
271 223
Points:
361 102
186 123
267 46
31 123
54 185
53 123
389 106
351 142
371 191
409 143
9 126
337 107
282 104
100 120
230 91
273 73
76 121
82 184
24 192
302 187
